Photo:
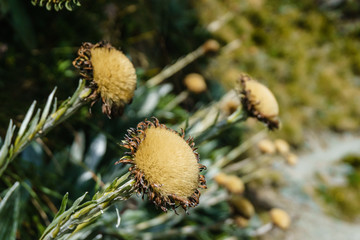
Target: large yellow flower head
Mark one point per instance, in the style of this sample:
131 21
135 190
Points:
165 165
110 73
259 102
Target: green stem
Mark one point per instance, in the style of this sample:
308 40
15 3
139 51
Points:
38 128
78 216
219 127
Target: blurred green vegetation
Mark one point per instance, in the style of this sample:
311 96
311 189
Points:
343 201
307 53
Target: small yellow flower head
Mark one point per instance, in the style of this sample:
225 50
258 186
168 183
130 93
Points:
291 159
165 165
282 146
242 206
211 46
195 83
232 183
241 221
280 218
109 73
266 146
259 101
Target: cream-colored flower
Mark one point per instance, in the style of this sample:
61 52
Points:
110 73
242 206
195 83
165 165
282 146
280 218
259 102
211 46
291 159
266 146
232 183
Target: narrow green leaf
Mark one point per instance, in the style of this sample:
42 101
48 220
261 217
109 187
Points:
34 2
31 131
5 147
25 123
77 3
47 106
9 213
60 5
77 91
68 5
54 106
56 7
49 5
63 205
42 3
62 216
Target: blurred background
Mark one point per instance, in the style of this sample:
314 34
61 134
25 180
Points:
306 52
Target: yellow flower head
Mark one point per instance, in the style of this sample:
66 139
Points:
259 102
110 73
280 218
165 165
195 83
232 183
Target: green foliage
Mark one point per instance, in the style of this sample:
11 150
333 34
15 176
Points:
57 4
300 50
36 126
9 212
343 201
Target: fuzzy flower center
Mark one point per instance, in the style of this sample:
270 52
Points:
168 162
114 74
263 99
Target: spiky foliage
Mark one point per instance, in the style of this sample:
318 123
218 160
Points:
57 4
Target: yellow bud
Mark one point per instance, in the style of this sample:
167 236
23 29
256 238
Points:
241 221
280 218
262 99
232 183
259 102
220 178
282 146
291 159
211 46
242 206
266 146
195 83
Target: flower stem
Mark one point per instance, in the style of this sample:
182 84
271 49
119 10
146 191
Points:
66 223
38 126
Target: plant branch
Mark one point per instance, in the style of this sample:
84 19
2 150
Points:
35 126
68 222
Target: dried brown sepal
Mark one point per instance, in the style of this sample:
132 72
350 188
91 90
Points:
253 106
83 61
143 186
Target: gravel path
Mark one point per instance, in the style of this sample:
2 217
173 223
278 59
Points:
309 220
